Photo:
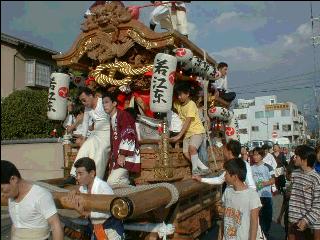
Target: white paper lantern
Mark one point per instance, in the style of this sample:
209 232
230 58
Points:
220 113
162 82
183 54
232 130
58 94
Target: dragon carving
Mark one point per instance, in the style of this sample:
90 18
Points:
106 18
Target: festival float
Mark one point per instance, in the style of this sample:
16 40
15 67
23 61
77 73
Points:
116 50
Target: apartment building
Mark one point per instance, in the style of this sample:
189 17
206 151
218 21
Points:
263 118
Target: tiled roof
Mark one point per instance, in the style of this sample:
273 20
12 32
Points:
16 41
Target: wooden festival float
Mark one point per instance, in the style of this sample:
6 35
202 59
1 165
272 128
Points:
116 50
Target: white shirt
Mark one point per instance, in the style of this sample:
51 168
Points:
220 179
97 115
33 210
175 123
98 187
269 159
221 83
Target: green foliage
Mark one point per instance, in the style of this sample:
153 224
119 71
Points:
24 116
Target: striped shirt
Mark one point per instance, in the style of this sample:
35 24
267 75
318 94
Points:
304 201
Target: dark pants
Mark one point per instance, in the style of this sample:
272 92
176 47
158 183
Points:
227 96
307 234
280 183
110 223
265 215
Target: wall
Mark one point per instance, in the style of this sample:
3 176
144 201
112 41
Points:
35 161
7 54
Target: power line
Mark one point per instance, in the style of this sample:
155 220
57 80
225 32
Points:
276 79
293 81
277 90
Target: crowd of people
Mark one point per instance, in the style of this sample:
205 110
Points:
296 180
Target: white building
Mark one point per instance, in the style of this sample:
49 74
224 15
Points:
263 118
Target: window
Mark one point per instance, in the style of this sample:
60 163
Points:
285 113
30 70
255 128
243 116
37 74
259 114
286 127
276 127
269 114
243 131
272 101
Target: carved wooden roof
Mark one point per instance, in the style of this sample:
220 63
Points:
111 34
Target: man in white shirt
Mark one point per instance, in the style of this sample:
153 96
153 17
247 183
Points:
102 224
220 86
97 145
31 207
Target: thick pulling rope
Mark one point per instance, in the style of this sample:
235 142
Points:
205 106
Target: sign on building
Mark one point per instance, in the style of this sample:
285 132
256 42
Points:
277 106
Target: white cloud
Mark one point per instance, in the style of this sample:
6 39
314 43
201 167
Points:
261 58
238 20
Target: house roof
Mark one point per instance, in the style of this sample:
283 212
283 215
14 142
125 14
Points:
16 41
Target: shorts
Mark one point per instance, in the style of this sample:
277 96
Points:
194 140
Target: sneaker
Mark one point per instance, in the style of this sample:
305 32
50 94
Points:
71 180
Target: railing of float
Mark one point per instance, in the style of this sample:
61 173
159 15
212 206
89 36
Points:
205 106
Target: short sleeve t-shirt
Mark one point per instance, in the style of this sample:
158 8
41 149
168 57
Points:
238 205
33 210
263 172
190 110
99 187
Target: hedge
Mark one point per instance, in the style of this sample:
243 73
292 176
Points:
24 116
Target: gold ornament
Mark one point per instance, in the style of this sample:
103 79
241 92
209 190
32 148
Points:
122 67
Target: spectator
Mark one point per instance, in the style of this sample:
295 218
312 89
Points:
317 165
281 165
241 213
304 203
263 175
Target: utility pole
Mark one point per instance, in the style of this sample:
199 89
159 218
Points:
315 24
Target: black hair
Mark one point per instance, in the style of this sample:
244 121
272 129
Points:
308 153
235 147
188 87
260 151
222 65
265 147
87 163
111 95
236 167
77 109
8 169
85 90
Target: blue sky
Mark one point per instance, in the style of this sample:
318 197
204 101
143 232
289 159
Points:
266 44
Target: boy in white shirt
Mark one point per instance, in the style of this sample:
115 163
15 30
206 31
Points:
102 224
241 204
